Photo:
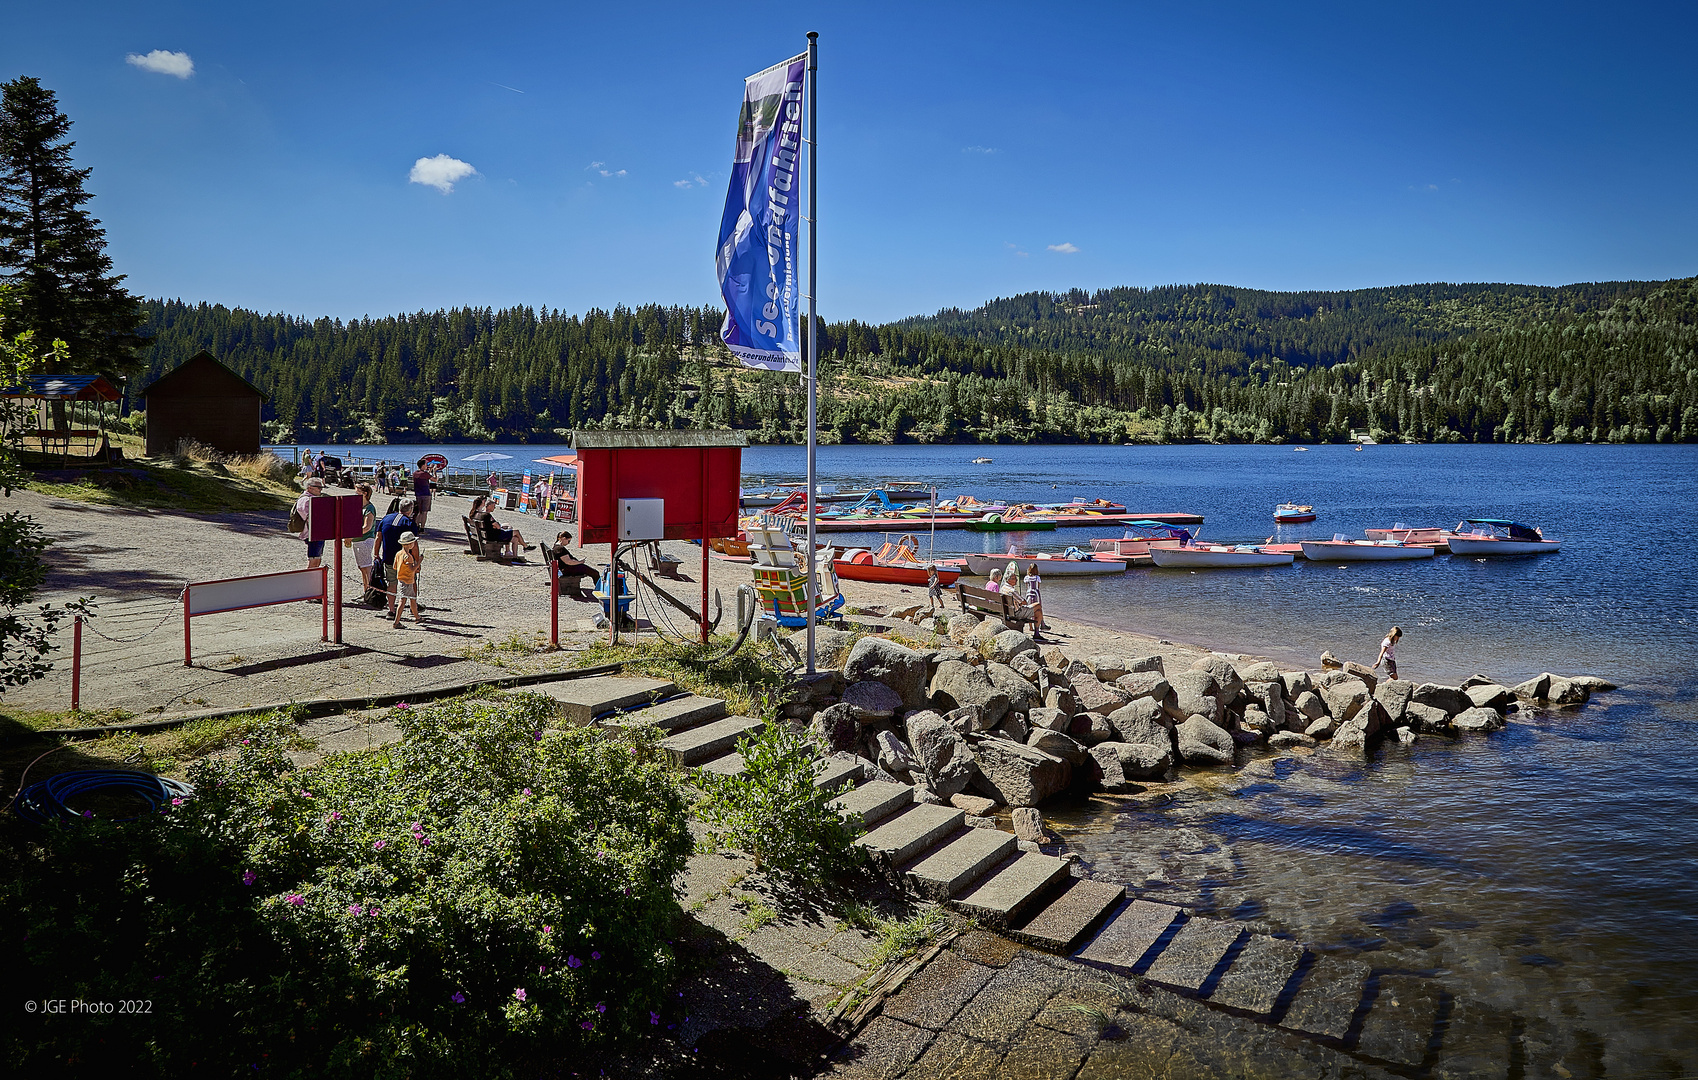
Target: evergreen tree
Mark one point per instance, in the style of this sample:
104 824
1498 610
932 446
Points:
51 247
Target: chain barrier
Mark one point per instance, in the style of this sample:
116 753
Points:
170 614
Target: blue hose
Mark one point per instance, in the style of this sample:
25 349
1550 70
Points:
44 802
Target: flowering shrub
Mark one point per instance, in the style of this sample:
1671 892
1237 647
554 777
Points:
457 902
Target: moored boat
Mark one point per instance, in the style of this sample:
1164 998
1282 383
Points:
1219 556
1139 538
1342 549
1409 534
1492 536
1010 523
894 563
1292 514
1072 563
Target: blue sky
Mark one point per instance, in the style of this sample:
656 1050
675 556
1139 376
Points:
967 150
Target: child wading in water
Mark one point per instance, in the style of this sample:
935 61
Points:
1388 651
407 563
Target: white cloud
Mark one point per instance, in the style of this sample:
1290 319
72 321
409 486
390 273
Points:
1064 248
599 167
440 172
165 63
978 150
695 180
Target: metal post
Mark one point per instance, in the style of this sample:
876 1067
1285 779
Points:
813 325
324 602
553 605
703 499
76 663
188 657
338 544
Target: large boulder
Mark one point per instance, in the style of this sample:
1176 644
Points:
1478 719
1394 695
1027 667
1477 679
893 756
1489 696
1449 698
1566 692
872 700
1053 658
1310 706
956 685
830 645
1363 672
1257 722
1226 676
1093 696
1284 740
1090 728
1105 667
1058 745
1533 689
1593 683
981 636
1145 684
879 660
1197 693
1352 736
1123 763
942 755
1426 718
1265 671
1022 695
1374 720
1269 696
1345 699
1009 644
968 720
836 727
1142 721
1061 697
962 625
1136 664
1296 683
1322 728
1029 824
1018 775
1047 718
1013 727
1202 742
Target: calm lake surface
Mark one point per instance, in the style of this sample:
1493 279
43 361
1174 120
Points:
1549 871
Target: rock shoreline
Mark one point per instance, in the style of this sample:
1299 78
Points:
985 712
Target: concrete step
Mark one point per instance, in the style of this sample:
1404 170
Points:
1123 942
1259 975
1011 888
585 699
1400 1024
699 744
873 802
835 774
959 861
902 836
1327 1001
674 715
1082 904
725 765
1194 953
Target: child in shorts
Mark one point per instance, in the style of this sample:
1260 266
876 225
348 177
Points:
408 562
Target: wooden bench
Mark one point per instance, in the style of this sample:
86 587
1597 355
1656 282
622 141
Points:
1002 605
485 550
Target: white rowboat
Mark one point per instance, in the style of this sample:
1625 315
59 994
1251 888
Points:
1048 565
1219 557
1362 551
1490 536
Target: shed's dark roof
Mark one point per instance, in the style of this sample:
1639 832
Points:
66 387
201 359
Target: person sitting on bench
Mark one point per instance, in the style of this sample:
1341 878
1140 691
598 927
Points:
570 569
493 532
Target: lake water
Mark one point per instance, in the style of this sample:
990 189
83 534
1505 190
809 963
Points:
1550 871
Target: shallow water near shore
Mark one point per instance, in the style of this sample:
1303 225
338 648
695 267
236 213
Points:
1549 871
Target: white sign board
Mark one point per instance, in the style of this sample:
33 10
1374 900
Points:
207 597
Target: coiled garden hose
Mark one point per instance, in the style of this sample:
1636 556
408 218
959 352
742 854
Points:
44 802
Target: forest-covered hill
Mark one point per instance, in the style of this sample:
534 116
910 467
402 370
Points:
1614 361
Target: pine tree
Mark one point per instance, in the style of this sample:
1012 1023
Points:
51 247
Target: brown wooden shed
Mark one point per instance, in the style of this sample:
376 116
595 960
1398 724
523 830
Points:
203 400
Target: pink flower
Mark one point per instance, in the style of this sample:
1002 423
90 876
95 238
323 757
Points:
371 910
542 969
547 929
295 900
249 877
306 794
527 791
355 909
335 816
402 705
380 845
176 802
519 993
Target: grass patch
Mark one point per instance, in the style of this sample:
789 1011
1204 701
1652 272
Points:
169 484
515 645
746 681
897 937
757 916
47 720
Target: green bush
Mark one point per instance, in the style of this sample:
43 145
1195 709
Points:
773 811
482 896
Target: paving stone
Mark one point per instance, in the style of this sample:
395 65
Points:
883 1049
1328 998
1066 919
1000 1013
674 715
1088 1001
709 740
582 700
1194 952
906 835
984 947
1044 1054
1400 1024
1259 974
951 1057
853 945
1007 892
1476 1044
873 801
959 861
1129 935
933 996
1142 1055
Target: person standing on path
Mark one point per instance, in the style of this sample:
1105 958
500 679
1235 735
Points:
365 545
1035 599
1388 652
408 561
421 495
303 509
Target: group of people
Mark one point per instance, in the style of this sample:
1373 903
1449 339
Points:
1033 598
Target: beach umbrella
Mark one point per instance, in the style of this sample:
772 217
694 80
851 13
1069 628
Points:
489 456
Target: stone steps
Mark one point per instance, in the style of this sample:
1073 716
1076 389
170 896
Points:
835 775
902 836
1081 905
583 700
1011 888
958 861
675 715
874 801
725 765
708 741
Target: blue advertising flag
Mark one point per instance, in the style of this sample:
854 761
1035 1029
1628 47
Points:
757 252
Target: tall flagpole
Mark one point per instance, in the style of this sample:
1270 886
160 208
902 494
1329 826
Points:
813 326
